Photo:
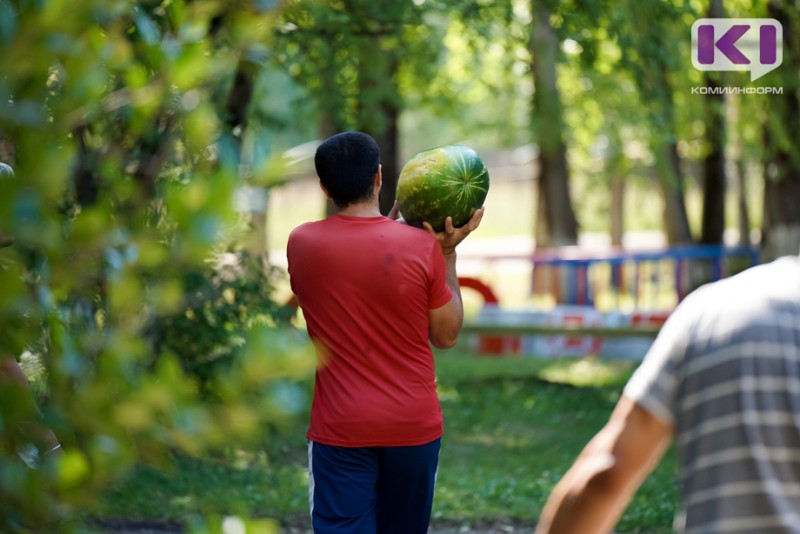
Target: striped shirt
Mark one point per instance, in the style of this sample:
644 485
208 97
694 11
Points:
725 373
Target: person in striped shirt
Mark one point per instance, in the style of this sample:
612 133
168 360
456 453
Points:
721 382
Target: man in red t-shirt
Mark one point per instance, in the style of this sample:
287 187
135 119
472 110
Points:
374 293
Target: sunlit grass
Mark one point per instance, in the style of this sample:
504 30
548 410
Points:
589 371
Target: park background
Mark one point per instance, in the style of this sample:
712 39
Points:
161 151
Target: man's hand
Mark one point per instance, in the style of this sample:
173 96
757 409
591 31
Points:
394 213
450 237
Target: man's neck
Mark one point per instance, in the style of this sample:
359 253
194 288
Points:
361 210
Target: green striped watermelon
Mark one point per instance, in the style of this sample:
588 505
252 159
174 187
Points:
450 180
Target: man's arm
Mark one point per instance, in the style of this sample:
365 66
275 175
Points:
592 495
11 372
12 377
444 323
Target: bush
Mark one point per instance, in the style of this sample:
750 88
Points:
223 300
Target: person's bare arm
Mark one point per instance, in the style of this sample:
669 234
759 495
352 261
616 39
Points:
592 495
13 377
12 373
444 323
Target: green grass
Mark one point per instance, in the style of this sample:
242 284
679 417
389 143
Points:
512 427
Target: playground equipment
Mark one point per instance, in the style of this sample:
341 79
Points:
573 277
608 304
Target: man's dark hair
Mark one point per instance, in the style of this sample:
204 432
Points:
346 164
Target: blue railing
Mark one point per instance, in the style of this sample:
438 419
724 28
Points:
572 276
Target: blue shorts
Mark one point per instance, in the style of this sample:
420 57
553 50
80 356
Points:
371 490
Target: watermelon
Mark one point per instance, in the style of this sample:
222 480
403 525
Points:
449 180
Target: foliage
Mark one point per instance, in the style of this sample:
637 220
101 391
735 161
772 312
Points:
478 81
133 124
223 301
116 124
330 47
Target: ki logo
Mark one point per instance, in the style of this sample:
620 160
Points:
721 44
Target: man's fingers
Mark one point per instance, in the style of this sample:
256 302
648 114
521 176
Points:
449 229
476 218
394 212
451 234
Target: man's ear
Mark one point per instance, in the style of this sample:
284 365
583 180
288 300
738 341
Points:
378 177
325 190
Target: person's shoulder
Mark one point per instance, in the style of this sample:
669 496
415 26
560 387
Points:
410 233
306 228
777 274
786 268
754 288
403 227
307 232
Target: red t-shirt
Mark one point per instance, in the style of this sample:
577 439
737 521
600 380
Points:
365 285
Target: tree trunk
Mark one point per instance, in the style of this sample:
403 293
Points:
670 179
744 212
739 169
616 169
331 121
388 140
781 223
657 93
84 174
657 97
714 175
379 111
555 219
328 127
237 109
617 209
